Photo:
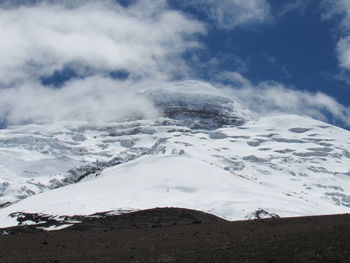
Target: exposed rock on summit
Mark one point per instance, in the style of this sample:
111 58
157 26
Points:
196 108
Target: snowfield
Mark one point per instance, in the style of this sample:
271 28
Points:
219 160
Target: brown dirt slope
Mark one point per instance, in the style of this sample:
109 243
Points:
182 235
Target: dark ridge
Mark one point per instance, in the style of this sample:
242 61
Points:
208 116
182 235
149 218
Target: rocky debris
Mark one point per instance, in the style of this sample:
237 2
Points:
287 140
255 159
123 132
261 213
127 142
255 143
78 137
79 173
311 154
233 165
6 204
24 192
320 149
284 151
339 198
217 135
337 188
299 130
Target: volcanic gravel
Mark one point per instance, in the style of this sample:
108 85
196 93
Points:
182 235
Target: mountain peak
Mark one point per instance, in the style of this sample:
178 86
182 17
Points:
198 105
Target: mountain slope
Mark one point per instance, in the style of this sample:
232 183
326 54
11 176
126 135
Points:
200 156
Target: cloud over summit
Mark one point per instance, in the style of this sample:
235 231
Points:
100 36
145 41
93 38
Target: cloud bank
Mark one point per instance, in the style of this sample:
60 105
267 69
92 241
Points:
270 97
94 37
145 39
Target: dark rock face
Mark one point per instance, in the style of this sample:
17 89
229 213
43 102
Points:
201 118
261 213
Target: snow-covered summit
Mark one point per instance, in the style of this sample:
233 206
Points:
195 156
198 105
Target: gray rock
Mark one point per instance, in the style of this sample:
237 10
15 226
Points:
299 130
78 137
127 143
217 135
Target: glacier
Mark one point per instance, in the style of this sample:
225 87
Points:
205 152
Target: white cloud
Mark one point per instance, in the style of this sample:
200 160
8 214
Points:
38 39
94 99
229 14
273 97
293 5
340 9
334 8
343 51
147 39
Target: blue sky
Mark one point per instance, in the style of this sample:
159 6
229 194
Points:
290 56
296 48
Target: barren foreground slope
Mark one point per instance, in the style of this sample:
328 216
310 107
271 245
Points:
181 235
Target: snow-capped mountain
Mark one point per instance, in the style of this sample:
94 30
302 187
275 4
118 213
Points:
206 152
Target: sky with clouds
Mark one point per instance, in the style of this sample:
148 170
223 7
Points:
87 60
